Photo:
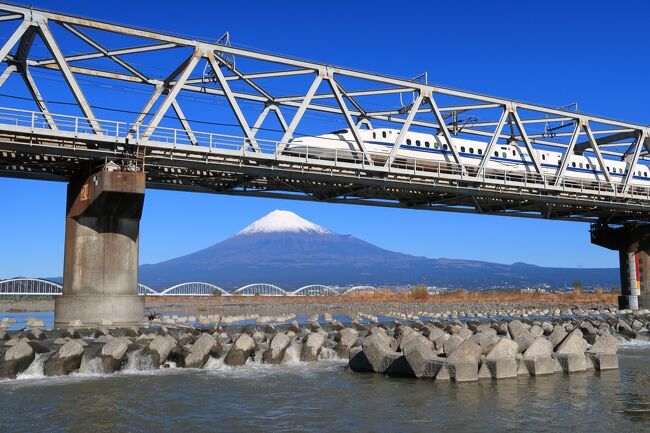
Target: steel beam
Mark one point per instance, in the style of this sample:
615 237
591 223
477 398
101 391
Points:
36 94
405 127
635 159
145 110
301 111
242 77
232 101
599 156
184 70
569 151
100 54
529 146
6 73
184 123
20 59
493 141
90 41
69 77
348 119
14 38
445 131
260 119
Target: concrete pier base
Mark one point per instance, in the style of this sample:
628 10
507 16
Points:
100 278
633 244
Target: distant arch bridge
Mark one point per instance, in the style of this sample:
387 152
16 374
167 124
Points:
23 286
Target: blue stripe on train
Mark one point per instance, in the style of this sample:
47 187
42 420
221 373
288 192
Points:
500 159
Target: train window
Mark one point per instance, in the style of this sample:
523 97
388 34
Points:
580 165
573 164
480 151
543 157
444 146
514 153
504 155
408 141
620 170
587 165
471 150
645 174
462 148
383 134
417 143
496 153
607 168
426 144
436 145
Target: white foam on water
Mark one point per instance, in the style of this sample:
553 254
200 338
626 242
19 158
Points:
328 354
214 363
35 369
292 354
136 362
633 343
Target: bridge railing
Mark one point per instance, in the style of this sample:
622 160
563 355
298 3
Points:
314 155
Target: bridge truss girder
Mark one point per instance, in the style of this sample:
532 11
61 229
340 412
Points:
245 80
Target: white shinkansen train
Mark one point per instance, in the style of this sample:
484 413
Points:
428 147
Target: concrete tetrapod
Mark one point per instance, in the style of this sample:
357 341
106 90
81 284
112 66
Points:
603 353
16 360
240 351
311 347
277 348
65 360
345 339
463 362
538 357
378 353
113 354
201 350
500 361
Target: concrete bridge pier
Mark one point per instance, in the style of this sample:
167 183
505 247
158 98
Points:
632 241
100 276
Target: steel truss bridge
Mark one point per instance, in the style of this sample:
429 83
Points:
39 287
216 118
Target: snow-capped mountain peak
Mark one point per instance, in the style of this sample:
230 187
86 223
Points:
283 221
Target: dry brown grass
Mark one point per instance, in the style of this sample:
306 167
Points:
419 293
501 296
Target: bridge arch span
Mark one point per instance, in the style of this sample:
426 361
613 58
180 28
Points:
261 289
146 290
360 289
30 287
315 290
194 288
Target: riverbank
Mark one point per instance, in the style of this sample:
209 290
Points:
368 303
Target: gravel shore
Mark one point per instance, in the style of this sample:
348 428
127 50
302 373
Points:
317 305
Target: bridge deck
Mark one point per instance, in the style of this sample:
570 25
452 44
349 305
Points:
30 149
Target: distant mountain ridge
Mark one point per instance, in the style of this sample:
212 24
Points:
284 249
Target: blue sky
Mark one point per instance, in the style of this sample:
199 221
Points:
552 53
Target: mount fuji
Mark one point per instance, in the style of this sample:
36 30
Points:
284 249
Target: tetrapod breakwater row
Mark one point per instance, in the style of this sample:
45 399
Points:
425 348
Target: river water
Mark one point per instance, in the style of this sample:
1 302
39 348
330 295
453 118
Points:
327 397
